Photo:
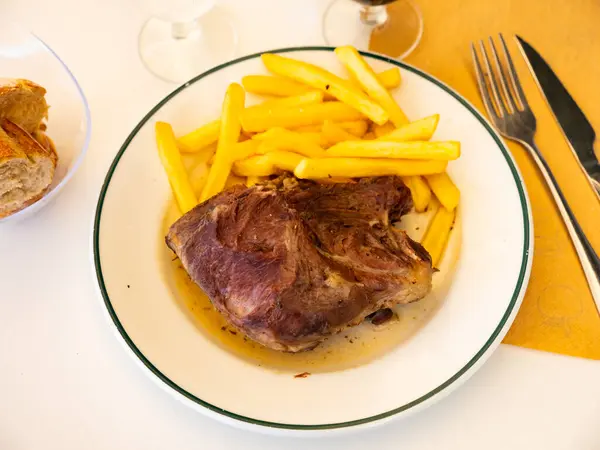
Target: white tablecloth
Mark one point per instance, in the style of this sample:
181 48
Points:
66 382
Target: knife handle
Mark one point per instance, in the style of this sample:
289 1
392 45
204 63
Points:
590 262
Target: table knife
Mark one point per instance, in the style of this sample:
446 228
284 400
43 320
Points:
575 126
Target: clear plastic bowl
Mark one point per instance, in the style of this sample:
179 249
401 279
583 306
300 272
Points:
24 55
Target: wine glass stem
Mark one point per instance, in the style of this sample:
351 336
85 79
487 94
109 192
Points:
374 16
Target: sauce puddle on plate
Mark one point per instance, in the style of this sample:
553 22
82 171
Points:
350 348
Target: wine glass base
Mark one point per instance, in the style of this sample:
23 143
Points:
208 42
397 37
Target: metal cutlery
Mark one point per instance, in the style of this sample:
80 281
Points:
575 126
510 113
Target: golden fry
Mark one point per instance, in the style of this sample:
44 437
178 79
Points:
369 136
333 133
262 119
285 160
365 75
234 179
309 128
243 150
171 161
314 137
252 180
383 130
420 192
444 189
257 166
233 105
390 78
209 134
365 167
306 98
270 85
198 176
419 130
446 150
282 139
200 138
436 236
284 87
325 81
356 127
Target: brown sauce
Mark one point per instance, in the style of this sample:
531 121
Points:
350 348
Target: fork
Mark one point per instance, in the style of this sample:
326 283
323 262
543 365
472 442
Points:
510 113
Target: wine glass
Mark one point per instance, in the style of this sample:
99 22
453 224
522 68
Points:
391 27
183 38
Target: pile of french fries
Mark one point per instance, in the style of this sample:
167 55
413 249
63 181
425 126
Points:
318 126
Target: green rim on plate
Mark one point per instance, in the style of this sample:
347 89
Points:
447 383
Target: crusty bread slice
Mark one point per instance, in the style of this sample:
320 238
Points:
26 168
23 102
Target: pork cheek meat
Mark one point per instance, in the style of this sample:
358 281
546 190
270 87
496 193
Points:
290 262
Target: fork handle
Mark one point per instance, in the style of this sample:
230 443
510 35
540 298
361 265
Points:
587 255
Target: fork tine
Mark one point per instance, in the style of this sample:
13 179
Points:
487 100
510 103
493 81
514 78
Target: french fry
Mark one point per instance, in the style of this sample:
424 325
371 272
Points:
369 136
315 137
200 138
325 81
306 98
262 119
438 231
390 78
209 134
446 150
233 179
309 128
284 87
420 192
356 127
191 160
276 86
252 180
243 150
333 133
282 139
285 160
233 105
364 167
383 130
444 189
198 176
419 130
365 75
255 166
171 161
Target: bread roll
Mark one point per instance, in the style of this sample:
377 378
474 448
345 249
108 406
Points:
27 155
23 103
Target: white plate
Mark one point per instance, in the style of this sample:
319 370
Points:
465 322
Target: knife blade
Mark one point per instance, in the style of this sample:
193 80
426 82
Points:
575 126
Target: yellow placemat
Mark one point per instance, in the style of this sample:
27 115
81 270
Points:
558 313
